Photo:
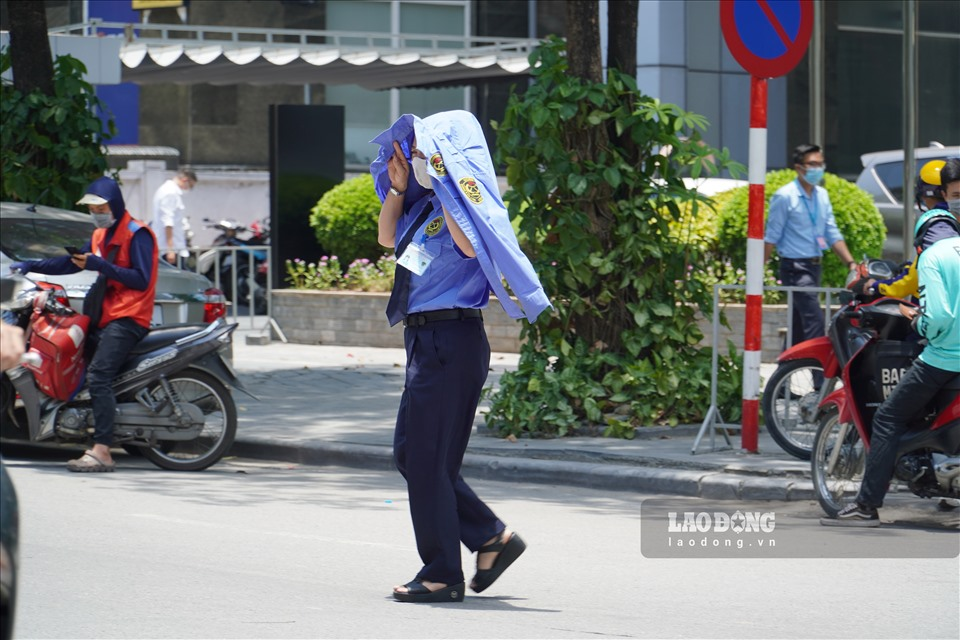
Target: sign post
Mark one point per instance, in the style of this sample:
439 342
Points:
767 38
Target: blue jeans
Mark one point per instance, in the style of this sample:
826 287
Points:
905 403
111 345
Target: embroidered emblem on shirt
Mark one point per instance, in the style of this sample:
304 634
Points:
471 189
436 161
434 226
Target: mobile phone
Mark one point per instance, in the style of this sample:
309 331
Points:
73 250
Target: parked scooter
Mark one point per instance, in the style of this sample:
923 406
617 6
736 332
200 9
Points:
173 405
875 342
807 373
221 267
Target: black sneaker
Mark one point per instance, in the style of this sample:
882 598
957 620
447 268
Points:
853 515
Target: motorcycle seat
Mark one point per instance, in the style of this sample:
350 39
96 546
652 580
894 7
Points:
165 335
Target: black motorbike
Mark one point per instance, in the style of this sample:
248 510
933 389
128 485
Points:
173 403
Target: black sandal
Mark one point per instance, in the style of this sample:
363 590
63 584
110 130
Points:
416 592
509 551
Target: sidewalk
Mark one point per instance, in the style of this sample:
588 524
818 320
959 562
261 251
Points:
337 405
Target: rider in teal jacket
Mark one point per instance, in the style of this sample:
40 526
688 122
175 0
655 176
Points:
939 317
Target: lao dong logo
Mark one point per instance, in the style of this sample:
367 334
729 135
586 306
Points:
720 522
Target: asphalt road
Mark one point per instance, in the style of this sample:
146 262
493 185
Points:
254 549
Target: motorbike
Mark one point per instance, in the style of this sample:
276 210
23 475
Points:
173 404
877 345
245 269
807 373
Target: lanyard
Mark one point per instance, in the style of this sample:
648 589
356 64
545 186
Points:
812 213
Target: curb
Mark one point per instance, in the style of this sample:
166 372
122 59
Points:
710 484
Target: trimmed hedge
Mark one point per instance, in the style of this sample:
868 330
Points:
857 217
345 221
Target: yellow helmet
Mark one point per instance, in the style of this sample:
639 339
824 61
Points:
928 181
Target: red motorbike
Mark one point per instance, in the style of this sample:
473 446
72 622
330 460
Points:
877 345
807 373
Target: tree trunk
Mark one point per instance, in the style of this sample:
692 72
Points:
583 40
30 54
622 36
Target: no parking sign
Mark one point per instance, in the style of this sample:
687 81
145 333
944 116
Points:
767 37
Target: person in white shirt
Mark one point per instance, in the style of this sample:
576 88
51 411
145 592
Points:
169 212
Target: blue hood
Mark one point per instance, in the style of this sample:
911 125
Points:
108 189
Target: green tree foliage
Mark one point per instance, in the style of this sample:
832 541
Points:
345 220
621 347
51 145
857 217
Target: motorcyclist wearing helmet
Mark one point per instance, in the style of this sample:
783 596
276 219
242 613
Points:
933 191
937 240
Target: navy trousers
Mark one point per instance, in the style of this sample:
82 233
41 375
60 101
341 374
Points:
807 315
447 363
110 346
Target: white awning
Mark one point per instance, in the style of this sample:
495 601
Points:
188 54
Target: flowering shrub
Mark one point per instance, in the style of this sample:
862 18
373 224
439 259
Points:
329 275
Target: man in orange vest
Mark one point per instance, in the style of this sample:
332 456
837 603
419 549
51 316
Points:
124 252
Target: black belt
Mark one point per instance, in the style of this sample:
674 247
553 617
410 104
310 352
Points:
806 260
420 319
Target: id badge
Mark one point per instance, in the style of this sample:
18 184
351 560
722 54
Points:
822 243
416 258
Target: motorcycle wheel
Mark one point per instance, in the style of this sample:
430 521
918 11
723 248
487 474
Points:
219 430
839 459
790 406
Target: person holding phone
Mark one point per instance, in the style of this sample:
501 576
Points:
123 251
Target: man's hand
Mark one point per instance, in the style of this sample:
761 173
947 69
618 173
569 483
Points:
171 257
11 346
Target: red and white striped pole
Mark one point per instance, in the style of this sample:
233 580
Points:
757 171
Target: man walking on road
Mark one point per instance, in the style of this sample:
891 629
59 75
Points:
169 214
801 227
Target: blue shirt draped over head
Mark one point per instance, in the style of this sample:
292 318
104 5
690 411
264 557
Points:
465 184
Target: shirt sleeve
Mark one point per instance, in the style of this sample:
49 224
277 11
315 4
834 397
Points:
831 232
936 317
143 252
776 219
905 284
168 206
56 266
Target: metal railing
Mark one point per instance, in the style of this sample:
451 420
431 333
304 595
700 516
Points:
211 260
713 420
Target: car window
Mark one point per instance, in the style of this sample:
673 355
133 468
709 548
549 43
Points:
30 239
891 175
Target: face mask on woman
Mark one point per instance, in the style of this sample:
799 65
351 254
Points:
420 172
102 220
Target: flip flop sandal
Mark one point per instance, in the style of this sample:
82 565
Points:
416 592
509 551
89 463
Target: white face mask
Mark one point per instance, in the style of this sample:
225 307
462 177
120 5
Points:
420 172
954 207
102 220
